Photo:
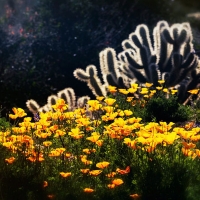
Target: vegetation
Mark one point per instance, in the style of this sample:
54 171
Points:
135 140
42 42
102 151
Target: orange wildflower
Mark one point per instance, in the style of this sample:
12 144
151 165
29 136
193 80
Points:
117 181
111 174
102 165
95 172
45 184
135 196
111 186
10 160
88 190
121 171
65 174
85 171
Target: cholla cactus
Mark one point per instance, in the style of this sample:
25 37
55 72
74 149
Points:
169 56
67 94
110 70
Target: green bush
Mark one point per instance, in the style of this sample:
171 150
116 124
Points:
160 108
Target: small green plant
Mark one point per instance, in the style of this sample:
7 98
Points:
165 109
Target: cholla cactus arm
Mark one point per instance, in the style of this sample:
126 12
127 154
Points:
143 31
109 65
93 82
181 70
32 105
44 108
154 74
188 48
51 100
138 75
82 101
128 56
195 81
110 68
81 75
162 49
68 95
176 35
127 44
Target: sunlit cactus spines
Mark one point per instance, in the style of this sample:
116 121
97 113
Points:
170 55
110 68
91 78
32 105
167 55
109 65
67 94
51 100
82 101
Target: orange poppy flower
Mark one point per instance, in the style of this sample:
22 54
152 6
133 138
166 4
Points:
45 184
117 181
102 165
10 160
88 190
135 196
111 186
95 172
121 171
65 174
85 171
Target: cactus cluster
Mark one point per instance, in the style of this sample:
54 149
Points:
165 55
67 94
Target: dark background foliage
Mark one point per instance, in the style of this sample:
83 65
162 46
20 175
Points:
42 42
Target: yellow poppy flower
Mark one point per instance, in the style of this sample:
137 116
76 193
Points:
128 112
123 91
161 81
112 89
110 101
60 105
148 84
165 90
194 91
100 98
159 88
18 112
93 138
132 90
47 143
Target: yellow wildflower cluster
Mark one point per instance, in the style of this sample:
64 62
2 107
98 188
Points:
87 137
